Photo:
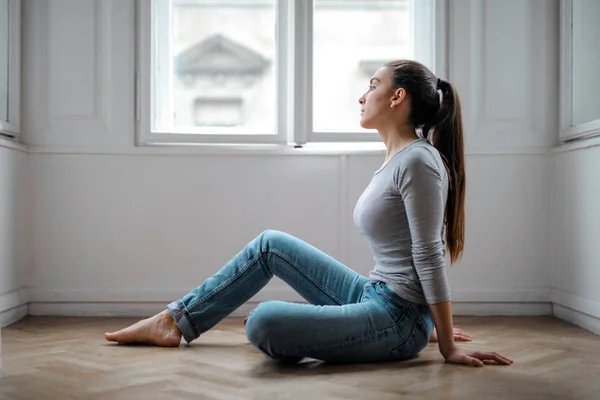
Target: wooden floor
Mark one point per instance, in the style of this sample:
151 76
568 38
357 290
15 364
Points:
67 358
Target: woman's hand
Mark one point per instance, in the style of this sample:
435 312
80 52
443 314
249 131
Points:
442 314
459 336
476 358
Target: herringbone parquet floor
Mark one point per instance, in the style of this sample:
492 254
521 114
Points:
67 358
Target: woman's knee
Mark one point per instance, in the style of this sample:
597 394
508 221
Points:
266 331
271 238
263 325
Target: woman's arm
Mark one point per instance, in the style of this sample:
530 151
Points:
419 182
442 314
459 336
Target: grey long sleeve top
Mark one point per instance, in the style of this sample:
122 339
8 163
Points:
401 213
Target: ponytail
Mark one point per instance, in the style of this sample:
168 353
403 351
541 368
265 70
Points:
448 139
443 119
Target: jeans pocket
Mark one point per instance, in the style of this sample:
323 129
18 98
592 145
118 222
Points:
414 333
398 307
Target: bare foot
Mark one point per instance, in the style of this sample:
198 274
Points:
159 330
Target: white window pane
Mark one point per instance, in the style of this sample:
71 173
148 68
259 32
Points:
4 30
223 66
586 61
218 112
352 39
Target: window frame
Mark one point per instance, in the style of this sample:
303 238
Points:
11 127
294 63
568 131
146 92
437 60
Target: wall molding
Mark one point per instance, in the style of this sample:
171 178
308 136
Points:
13 299
93 106
135 303
11 316
577 318
124 303
98 116
579 304
12 145
494 126
13 306
575 145
271 292
497 113
146 309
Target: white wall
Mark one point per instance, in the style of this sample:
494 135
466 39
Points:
15 223
123 230
576 236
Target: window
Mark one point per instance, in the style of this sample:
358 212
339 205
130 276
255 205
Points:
580 61
9 67
4 29
272 71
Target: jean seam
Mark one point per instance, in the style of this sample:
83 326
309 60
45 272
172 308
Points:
391 301
227 282
262 252
308 277
410 335
189 319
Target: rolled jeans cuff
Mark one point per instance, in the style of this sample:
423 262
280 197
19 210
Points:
183 319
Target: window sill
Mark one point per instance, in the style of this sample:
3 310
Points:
311 149
12 144
576 145
325 149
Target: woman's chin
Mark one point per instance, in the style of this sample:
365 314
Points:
364 123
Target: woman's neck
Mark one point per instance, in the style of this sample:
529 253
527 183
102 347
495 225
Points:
397 138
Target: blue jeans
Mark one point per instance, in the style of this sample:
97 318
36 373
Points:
349 318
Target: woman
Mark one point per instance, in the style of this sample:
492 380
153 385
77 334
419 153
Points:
413 201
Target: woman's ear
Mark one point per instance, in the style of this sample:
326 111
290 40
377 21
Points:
398 97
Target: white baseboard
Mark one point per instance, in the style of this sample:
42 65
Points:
575 302
577 310
574 317
13 315
145 309
119 303
501 309
118 310
118 296
270 292
13 306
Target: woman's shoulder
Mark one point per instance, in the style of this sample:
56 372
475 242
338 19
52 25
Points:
421 154
420 165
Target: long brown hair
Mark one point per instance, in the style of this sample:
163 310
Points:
442 121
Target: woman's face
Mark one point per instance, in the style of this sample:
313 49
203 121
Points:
378 104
